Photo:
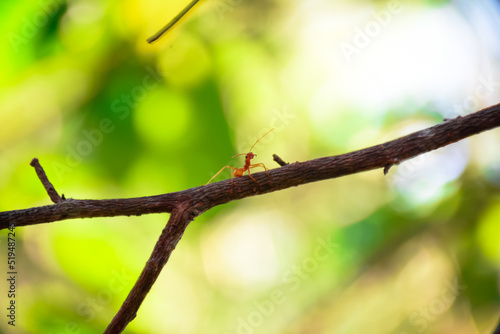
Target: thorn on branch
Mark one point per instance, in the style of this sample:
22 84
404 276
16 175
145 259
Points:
279 160
449 119
389 165
54 196
386 168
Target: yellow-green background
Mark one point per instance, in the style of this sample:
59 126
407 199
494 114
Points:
415 251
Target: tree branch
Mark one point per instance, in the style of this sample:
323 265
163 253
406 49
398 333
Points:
291 175
54 196
170 236
185 205
279 161
172 22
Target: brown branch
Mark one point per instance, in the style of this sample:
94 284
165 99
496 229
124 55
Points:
54 196
170 236
280 161
185 205
292 175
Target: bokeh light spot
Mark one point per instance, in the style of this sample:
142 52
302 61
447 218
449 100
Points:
162 117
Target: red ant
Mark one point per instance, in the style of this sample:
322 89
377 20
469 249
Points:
237 172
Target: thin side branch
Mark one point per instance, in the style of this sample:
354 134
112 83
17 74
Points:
279 161
54 196
170 236
292 175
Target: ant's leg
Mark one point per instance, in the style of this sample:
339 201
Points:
260 164
249 174
232 172
213 177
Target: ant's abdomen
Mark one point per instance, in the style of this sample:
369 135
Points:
238 172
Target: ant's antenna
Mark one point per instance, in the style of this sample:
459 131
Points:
260 139
253 144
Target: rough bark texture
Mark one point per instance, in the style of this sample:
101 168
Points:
185 205
205 197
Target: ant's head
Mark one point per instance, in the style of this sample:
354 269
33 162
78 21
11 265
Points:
250 155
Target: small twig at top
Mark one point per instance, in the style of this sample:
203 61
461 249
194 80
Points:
279 160
54 196
172 22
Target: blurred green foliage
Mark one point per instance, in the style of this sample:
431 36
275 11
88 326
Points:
111 116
